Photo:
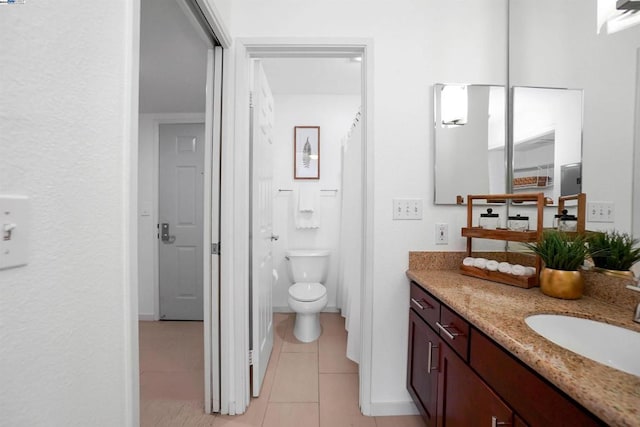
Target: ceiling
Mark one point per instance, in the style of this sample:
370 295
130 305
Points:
173 60
288 76
173 65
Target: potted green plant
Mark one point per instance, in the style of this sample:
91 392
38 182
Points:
614 253
563 255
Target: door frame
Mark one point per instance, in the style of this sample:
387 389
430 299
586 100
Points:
236 220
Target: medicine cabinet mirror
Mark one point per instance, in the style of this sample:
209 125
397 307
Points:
469 140
547 141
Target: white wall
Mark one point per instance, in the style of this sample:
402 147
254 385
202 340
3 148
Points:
65 357
416 43
334 114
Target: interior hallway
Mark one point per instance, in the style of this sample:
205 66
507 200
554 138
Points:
306 385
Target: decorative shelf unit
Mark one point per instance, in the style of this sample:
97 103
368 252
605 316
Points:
581 214
471 232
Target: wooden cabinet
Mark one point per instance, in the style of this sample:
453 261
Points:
464 399
445 389
537 402
422 377
459 377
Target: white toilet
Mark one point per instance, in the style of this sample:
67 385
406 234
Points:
307 296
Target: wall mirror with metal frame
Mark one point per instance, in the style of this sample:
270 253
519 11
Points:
569 43
547 141
469 122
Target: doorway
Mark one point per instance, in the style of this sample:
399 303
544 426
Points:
179 120
248 50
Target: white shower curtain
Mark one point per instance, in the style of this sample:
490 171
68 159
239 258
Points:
350 268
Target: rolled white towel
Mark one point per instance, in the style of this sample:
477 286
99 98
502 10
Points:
504 267
529 271
518 270
468 261
492 265
480 262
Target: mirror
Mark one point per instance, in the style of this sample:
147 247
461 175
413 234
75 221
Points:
547 141
469 140
558 43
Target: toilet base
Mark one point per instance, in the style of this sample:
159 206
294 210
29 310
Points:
307 323
307 327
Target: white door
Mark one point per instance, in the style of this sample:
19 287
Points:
261 225
180 221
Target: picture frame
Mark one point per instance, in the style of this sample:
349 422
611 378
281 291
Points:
306 152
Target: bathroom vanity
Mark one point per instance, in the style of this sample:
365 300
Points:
472 360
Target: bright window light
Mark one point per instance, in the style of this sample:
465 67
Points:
454 105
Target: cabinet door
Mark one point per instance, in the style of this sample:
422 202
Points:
422 377
465 400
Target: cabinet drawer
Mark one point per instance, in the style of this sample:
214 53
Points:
425 305
536 401
454 330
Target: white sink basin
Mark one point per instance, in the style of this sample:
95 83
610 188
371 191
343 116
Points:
610 345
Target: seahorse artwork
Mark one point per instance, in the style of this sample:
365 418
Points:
306 154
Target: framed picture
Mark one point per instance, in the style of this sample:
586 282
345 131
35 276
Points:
306 152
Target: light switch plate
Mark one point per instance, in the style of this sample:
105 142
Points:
14 228
601 212
407 209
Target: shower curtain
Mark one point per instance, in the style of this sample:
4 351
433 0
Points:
350 268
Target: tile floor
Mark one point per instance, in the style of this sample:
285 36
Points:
306 385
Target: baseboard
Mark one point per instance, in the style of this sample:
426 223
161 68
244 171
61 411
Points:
146 317
381 409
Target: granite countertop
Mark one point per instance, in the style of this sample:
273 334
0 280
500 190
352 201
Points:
499 311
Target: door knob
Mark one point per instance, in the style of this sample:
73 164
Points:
164 235
274 237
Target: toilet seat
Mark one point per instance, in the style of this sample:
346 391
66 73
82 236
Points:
307 291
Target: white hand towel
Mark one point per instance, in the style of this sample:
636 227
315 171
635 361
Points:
310 218
492 265
480 262
518 270
529 271
468 261
306 199
504 267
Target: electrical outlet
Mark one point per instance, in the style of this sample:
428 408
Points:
442 234
600 212
407 209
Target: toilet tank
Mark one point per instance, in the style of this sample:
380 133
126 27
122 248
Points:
308 265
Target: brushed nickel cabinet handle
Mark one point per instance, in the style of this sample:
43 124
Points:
415 301
430 358
419 304
496 423
449 334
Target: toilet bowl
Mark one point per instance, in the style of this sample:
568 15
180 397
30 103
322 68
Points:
307 296
307 300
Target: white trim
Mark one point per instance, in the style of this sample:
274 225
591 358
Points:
212 15
131 392
215 229
366 302
147 317
227 227
207 283
635 184
385 409
235 192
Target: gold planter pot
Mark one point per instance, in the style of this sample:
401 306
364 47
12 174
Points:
621 274
561 284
